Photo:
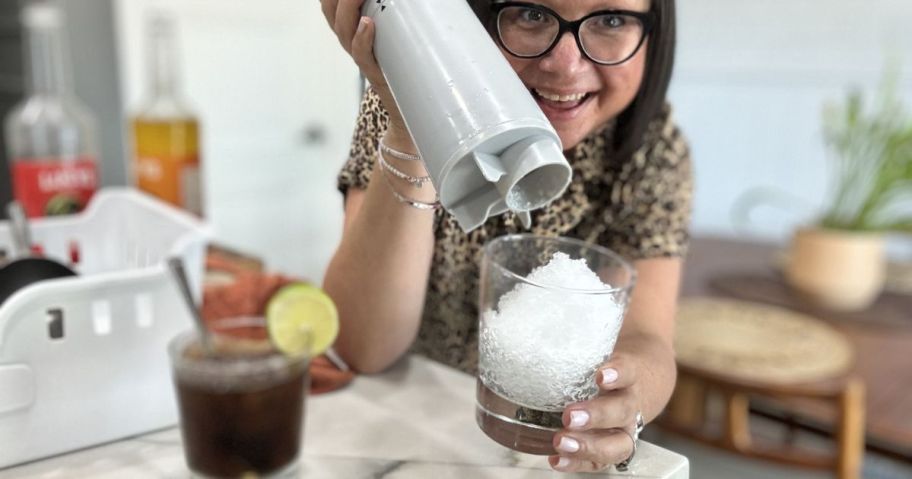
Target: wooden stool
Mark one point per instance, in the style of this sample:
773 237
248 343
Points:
744 351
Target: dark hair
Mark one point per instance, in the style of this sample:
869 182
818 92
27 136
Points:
633 122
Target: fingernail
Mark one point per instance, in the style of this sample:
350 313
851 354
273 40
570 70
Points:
361 24
609 376
578 418
568 444
562 463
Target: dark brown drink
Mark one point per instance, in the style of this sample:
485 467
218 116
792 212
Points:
241 408
230 434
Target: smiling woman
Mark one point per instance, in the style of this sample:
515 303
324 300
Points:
643 22
405 278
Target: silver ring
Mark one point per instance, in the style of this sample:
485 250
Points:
624 465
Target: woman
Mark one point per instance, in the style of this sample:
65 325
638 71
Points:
405 276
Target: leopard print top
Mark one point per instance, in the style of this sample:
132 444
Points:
639 208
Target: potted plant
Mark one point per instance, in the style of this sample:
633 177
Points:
839 263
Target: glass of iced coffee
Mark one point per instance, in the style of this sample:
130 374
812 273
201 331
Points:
241 403
550 313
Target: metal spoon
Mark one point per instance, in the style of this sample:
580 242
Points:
22 241
177 270
23 269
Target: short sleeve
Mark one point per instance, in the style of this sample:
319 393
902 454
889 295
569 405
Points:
649 208
372 123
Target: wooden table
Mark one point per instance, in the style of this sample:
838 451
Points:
882 335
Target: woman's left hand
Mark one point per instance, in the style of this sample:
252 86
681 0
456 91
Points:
599 433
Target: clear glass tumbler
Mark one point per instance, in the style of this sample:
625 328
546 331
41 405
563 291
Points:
543 332
242 405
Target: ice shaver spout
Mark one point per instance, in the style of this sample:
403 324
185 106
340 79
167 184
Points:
486 144
526 176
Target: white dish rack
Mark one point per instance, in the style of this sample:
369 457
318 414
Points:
83 359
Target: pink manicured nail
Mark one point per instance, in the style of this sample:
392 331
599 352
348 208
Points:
609 376
578 418
567 444
562 463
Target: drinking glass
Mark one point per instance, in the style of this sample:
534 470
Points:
241 404
543 332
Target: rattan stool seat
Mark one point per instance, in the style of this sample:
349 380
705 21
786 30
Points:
733 355
758 343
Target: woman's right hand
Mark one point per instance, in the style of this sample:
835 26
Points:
356 34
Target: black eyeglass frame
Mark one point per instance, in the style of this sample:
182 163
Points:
646 18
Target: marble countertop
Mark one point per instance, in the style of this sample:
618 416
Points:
415 421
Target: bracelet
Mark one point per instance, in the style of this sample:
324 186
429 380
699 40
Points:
399 155
421 205
418 181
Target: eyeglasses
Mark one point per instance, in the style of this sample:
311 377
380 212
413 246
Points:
607 37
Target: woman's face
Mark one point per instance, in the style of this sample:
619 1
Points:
558 79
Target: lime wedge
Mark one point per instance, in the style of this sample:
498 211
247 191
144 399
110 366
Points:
302 319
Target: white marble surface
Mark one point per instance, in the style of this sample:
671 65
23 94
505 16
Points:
414 422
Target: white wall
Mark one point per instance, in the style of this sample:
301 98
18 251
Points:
261 75
748 90
749 87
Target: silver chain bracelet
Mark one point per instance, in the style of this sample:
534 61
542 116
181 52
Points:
418 181
417 204
399 155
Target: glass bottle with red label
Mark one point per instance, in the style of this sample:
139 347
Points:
166 132
50 134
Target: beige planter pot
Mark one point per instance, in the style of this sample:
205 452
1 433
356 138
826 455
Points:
838 270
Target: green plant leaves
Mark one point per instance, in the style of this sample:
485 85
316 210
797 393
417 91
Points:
873 152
